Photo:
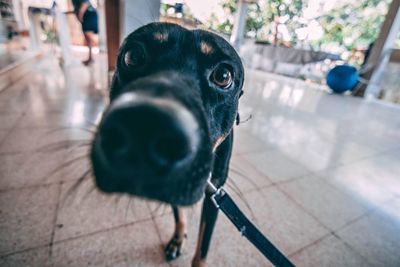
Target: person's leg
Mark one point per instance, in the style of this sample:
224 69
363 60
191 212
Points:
90 41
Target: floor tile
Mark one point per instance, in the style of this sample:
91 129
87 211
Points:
21 169
15 104
376 237
85 210
391 210
328 205
350 146
348 151
313 156
373 180
287 225
133 245
244 176
31 258
394 154
8 121
329 252
245 142
3 134
27 217
276 165
322 153
28 140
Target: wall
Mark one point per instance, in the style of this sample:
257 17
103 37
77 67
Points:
137 13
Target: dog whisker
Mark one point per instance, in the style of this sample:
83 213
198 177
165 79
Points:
63 166
75 186
89 192
54 146
127 208
244 176
161 207
232 188
65 144
164 209
241 195
83 145
246 120
70 128
153 211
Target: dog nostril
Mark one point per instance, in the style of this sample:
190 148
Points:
114 141
169 150
149 136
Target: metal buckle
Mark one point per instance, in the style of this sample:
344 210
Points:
213 196
211 188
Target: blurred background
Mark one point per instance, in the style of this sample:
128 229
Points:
301 39
315 163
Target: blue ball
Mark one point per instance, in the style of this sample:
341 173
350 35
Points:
342 78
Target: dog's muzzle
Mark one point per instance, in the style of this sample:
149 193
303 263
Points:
153 142
146 135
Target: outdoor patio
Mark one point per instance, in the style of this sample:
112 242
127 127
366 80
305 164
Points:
318 173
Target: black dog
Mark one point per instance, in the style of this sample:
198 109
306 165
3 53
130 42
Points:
173 104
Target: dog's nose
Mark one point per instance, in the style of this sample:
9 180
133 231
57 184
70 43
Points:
146 135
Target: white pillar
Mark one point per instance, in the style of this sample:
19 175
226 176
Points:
64 38
102 25
381 52
34 31
239 25
19 17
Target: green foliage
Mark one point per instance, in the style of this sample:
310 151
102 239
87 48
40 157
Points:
355 24
261 15
224 24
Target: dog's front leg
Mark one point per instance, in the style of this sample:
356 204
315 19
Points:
208 218
209 212
174 246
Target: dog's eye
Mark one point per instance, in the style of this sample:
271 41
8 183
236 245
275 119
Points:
136 56
222 76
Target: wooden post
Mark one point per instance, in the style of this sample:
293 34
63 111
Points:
239 26
113 31
381 51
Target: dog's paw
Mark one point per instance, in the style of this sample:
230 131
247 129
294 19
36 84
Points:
174 247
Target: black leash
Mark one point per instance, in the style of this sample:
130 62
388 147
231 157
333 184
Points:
225 203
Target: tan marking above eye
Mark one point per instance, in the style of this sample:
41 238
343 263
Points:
161 37
206 48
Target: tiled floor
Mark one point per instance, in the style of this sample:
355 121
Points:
320 174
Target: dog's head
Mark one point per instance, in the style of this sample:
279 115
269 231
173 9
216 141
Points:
173 100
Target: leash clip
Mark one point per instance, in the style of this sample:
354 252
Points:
216 193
